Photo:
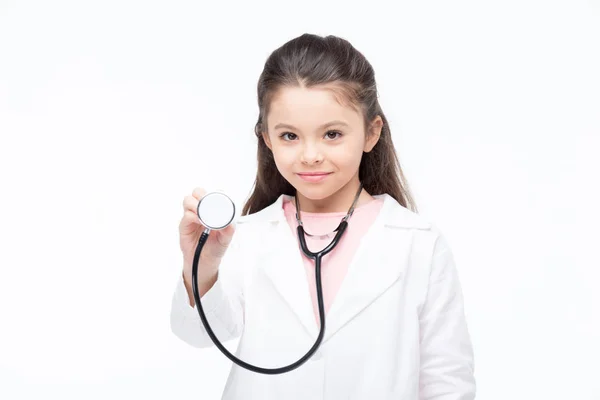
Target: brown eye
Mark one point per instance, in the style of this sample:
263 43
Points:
293 135
335 134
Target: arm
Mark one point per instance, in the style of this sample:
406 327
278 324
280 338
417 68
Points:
223 303
446 351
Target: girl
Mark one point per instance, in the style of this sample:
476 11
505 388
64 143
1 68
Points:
395 324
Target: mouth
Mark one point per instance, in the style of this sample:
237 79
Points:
313 173
313 176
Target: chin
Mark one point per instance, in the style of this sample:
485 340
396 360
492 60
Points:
314 192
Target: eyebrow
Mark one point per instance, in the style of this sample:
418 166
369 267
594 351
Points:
330 123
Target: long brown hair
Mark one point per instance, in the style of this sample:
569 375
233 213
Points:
311 60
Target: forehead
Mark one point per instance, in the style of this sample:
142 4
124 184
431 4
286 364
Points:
310 106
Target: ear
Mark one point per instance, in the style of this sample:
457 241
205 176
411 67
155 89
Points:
267 140
373 134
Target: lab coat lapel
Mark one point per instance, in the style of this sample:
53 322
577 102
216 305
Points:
372 270
379 261
285 269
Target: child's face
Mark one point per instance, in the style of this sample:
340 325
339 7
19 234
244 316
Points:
301 144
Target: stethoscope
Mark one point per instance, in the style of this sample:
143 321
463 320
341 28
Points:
216 211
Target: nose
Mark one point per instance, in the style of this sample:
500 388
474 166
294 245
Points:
311 154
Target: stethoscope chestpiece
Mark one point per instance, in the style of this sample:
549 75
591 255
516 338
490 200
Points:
216 210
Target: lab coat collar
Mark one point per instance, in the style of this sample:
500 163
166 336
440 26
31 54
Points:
372 271
396 215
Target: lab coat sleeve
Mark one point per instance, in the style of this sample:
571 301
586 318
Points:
222 304
447 365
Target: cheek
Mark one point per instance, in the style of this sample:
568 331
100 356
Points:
348 158
284 158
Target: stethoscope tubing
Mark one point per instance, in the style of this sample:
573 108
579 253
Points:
316 257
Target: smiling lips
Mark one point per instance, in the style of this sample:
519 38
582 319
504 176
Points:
313 176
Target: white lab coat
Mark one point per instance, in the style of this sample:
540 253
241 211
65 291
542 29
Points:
396 329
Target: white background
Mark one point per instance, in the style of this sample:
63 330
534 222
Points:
112 111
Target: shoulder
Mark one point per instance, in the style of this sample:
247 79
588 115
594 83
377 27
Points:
397 216
262 219
426 233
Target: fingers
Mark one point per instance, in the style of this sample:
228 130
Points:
199 193
190 216
190 203
190 207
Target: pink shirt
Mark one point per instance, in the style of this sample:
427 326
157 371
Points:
335 264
